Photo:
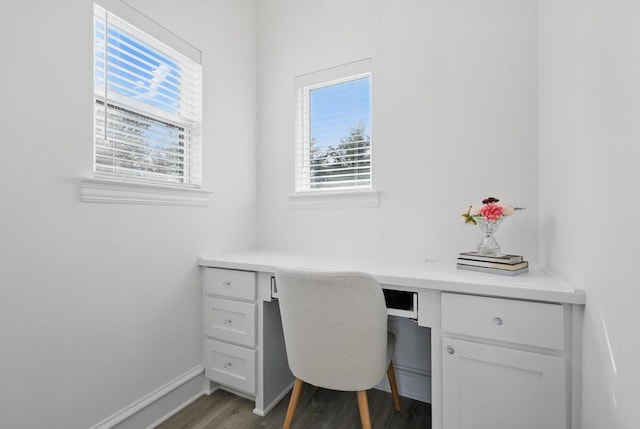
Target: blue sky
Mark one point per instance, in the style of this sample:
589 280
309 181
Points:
137 70
337 109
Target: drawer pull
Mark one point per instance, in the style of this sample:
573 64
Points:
227 322
451 350
226 284
227 365
497 321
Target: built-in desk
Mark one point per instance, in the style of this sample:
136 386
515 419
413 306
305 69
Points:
505 351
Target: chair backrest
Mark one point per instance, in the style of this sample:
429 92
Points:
335 328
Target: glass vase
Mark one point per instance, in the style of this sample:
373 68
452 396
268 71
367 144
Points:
489 246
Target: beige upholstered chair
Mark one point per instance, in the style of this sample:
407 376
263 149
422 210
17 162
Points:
335 332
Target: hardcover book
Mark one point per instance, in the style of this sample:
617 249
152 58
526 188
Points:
493 270
504 259
508 267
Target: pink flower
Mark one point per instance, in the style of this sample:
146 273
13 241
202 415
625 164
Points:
507 209
491 211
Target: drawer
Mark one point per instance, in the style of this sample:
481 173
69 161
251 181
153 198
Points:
230 283
523 322
229 320
230 365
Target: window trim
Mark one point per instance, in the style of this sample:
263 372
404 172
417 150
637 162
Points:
104 188
336 199
303 195
100 189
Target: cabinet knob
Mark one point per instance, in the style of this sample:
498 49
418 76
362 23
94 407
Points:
497 321
227 365
227 321
226 284
451 350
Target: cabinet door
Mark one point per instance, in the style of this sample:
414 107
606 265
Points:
230 320
230 283
491 387
230 365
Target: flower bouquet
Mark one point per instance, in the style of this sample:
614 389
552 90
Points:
488 217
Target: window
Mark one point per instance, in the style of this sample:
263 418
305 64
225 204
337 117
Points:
147 90
334 129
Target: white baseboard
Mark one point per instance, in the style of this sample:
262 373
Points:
174 411
263 412
412 383
142 403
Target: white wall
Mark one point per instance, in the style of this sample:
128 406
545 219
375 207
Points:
589 143
458 88
100 303
467 94
454 120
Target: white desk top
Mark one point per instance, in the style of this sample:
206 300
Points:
434 275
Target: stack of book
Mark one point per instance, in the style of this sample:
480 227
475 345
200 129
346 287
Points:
508 265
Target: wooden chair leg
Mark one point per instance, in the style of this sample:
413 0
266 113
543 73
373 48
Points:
363 405
394 387
293 403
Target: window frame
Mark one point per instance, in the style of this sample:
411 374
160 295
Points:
117 188
351 194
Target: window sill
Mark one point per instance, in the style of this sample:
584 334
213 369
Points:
102 190
335 199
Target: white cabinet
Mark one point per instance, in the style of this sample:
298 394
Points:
244 350
502 356
491 387
230 328
231 365
230 283
503 364
230 320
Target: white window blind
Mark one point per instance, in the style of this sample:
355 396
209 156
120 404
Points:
147 100
333 150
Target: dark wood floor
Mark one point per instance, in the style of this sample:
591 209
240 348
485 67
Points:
317 409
